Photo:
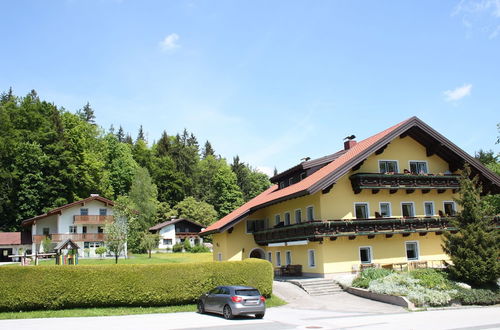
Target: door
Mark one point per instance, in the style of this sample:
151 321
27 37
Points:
210 299
4 255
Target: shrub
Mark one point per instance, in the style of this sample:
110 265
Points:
100 250
56 287
177 247
187 246
432 278
477 296
368 275
199 248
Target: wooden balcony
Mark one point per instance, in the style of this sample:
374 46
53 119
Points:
92 219
394 182
93 237
318 230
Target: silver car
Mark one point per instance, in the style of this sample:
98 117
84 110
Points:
233 300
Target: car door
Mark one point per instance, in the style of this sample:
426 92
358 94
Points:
211 298
221 299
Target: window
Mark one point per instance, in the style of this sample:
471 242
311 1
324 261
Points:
288 257
72 229
310 213
407 210
277 219
312 258
361 210
287 218
167 241
103 211
412 250
387 166
100 229
429 209
46 231
365 254
282 184
270 257
86 245
84 211
385 210
303 175
418 167
298 216
290 181
219 256
84 229
278 258
449 208
254 225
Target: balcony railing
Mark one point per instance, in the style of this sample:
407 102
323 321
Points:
318 229
393 182
92 219
93 237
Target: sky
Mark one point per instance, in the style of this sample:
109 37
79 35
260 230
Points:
270 81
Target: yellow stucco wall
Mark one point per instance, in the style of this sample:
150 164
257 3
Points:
342 255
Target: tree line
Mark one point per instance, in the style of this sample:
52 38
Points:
50 157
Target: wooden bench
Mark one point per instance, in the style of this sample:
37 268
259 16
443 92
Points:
291 270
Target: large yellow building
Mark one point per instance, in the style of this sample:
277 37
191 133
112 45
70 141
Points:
385 200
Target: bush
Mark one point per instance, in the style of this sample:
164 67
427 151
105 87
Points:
100 250
199 249
368 275
433 279
477 296
57 287
187 245
177 247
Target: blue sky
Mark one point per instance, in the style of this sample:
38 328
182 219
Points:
271 81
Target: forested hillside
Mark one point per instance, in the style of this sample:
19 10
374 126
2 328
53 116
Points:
50 156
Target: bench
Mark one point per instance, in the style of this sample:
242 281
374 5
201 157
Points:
291 270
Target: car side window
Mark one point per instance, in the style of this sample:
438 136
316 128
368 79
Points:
225 291
215 291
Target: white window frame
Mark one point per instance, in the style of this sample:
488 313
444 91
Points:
418 250
219 256
289 218
413 207
367 209
288 255
105 211
277 217
370 252
419 161
270 256
278 258
290 181
295 215
389 160
282 184
84 208
303 175
313 259
433 209
307 212
454 207
73 229
246 224
380 209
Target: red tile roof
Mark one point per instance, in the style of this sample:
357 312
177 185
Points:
29 222
10 238
329 174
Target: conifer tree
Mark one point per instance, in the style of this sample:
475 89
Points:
208 150
87 113
120 135
473 249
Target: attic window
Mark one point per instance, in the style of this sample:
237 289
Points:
255 225
290 181
282 184
303 175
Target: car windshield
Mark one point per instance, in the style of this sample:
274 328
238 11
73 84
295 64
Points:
247 292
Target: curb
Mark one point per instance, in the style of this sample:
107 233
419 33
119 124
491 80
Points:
393 300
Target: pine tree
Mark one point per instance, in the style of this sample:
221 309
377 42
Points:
208 150
140 135
120 135
473 249
87 113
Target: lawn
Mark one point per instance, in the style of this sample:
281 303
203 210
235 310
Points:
111 311
156 258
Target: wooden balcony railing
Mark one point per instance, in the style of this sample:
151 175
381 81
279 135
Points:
318 229
97 237
393 182
92 219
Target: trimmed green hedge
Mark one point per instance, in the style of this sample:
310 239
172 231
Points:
57 287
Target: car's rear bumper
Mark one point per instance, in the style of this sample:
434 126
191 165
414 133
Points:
240 309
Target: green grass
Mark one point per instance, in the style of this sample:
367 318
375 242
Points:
156 258
113 311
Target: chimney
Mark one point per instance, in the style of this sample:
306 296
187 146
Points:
94 195
349 144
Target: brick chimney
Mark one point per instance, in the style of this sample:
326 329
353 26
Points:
349 144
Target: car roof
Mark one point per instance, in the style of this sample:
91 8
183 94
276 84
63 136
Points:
240 287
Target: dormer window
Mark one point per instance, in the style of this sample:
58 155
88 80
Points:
282 184
303 175
290 181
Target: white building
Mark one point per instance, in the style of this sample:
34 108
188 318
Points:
177 231
82 221
13 243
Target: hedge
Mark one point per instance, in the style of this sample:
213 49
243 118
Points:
58 287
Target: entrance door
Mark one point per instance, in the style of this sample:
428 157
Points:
4 255
257 253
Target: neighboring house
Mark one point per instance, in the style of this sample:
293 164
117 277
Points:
177 231
382 201
14 243
82 221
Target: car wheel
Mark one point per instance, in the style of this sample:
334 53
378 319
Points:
259 316
227 312
201 307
